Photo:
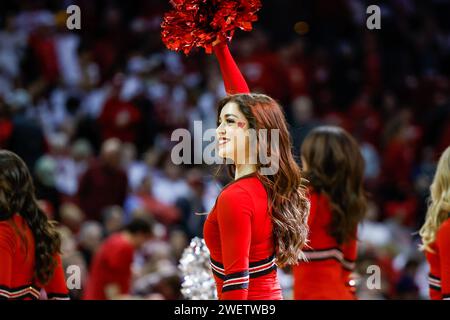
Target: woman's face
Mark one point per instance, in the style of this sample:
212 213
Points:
232 134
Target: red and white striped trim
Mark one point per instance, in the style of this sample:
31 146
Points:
330 254
434 282
217 269
15 294
234 281
262 267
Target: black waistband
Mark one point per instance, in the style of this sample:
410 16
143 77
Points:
256 268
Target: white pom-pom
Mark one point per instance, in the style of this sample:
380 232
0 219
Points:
198 281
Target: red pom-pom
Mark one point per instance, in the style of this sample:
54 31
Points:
205 23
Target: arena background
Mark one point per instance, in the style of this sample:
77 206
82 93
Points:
62 93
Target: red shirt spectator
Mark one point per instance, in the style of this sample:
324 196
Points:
111 265
104 183
43 45
5 131
119 119
110 274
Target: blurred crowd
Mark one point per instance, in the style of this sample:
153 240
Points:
91 112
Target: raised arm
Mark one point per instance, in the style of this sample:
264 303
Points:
210 27
232 77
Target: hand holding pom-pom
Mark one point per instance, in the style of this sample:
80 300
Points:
205 23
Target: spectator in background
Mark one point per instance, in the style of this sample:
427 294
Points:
144 199
113 219
193 206
136 168
71 217
71 257
401 136
22 129
406 286
303 121
169 185
42 44
45 182
119 119
74 167
5 123
89 239
110 275
12 45
104 183
60 153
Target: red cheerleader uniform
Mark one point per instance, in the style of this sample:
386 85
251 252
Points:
238 233
17 264
326 274
439 261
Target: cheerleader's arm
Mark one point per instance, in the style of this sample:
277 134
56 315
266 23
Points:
232 77
235 209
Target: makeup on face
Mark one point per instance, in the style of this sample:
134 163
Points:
230 124
231 119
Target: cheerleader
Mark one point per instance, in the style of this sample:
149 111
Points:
334 166
258 220
435 232
29 243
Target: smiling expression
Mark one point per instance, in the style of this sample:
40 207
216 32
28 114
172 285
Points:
232 132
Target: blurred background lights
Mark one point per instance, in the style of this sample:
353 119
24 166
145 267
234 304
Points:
301 28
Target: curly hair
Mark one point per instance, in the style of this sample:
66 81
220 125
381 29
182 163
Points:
335 167
17 196
286 190
439 203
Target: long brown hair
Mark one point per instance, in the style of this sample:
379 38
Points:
335 167
285 188
17 195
